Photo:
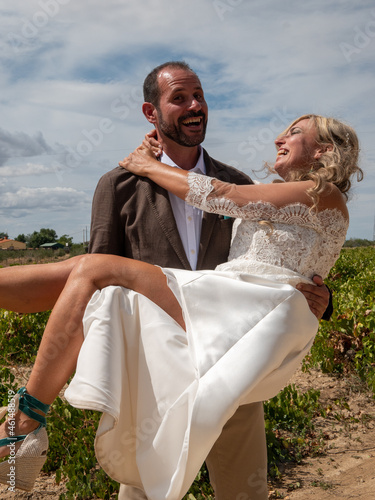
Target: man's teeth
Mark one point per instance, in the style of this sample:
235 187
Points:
192 121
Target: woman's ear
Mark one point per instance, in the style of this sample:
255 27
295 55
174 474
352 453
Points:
323 149
149 111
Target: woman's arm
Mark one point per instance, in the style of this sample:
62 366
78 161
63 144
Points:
200 191
143 163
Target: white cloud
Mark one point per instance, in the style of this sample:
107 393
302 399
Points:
67 66
59 199
29 169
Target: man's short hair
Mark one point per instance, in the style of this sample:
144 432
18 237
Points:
151 90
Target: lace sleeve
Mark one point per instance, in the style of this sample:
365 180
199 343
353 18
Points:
205 195
200 186
210 194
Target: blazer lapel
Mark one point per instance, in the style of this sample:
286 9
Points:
158 199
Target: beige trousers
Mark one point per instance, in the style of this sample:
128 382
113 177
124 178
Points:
237 463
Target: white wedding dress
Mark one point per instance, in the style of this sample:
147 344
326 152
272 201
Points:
165 393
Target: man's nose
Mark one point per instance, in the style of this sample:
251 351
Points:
195 105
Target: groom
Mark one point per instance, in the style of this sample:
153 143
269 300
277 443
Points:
135 218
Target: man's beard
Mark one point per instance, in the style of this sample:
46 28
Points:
175 133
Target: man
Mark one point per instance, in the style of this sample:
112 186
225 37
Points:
134 218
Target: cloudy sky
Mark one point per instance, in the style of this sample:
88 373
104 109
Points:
72 72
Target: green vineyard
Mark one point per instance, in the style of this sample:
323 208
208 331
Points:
344 347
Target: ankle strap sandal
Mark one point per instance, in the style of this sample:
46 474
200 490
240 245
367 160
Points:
20 470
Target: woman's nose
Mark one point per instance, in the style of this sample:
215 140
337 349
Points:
280 140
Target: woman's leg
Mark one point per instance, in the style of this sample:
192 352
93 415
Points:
34 288
29 289
63 336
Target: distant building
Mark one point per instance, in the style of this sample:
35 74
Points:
6 244
53 246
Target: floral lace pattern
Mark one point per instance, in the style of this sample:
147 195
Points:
286 244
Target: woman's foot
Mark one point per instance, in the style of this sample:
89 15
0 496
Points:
19 425
24 440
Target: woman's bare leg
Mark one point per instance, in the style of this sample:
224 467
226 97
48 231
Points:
63 336
35 287
29 289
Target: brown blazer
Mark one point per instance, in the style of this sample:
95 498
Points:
132 217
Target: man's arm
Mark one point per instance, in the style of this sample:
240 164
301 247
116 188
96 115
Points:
107 232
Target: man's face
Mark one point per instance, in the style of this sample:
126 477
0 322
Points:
182 110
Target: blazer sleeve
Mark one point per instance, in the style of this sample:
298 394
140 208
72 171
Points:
106 234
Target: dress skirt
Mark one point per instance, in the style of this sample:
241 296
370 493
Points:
166 394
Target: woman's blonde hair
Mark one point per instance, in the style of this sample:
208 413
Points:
337 164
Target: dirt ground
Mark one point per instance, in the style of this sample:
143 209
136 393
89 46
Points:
345 469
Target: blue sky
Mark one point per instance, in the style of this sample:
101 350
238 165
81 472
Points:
71 90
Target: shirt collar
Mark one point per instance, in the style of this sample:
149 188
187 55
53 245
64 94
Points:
200 167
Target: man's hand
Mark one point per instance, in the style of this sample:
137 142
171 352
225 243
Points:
316 296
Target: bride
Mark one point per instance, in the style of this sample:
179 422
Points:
168 355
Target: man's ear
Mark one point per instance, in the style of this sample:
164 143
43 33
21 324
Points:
322 150
149 111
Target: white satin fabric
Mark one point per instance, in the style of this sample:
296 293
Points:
165 393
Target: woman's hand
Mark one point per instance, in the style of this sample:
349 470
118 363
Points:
143 162
143 157
151 140
139 161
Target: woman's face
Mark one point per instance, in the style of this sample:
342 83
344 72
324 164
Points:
297 149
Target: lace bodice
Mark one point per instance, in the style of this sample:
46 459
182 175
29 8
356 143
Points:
289 244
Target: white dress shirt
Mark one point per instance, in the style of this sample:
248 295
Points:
188 218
